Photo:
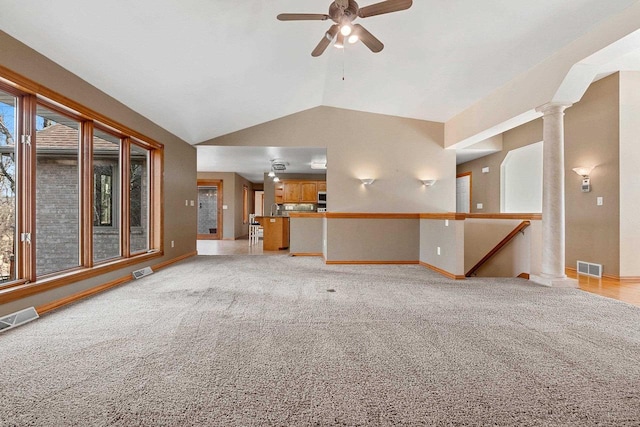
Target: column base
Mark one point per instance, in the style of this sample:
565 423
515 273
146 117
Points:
556 282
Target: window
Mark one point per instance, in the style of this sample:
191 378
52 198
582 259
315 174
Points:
106 196
139 198
89 191
57 237
7 187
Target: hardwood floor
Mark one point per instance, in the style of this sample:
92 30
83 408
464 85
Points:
628 292
233 247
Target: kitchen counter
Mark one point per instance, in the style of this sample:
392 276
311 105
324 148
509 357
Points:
276 232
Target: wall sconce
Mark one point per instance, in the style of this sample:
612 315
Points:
276 179
428 182
586 181
367 181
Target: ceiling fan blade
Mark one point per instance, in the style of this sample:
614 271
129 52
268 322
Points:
303 17
328 38
368 39
384 7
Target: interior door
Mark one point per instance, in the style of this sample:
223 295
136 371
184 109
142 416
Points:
210 210
463 193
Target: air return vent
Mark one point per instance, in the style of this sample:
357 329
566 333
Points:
138 274
18 318
589 269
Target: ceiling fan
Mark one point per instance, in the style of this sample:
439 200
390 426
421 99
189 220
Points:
343 13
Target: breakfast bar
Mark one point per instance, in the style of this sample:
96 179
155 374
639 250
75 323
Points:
276 232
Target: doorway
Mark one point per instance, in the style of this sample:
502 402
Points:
258 204
210 209
463 193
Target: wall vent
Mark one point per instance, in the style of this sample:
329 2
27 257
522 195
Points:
589 269
18 318
138 274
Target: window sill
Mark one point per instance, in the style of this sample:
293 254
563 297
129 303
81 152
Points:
21 289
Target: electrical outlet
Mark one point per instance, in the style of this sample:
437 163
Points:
172 244
186 203
600 201
438 250
479 206
193 203
446 222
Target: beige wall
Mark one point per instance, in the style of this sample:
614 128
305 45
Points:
591 138
306 235
397 152
629 174
373 240
179 161
520 255
485 187
232 184
448 235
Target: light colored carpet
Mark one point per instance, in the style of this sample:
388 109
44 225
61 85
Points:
252 341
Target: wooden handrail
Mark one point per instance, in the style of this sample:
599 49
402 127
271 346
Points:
496 248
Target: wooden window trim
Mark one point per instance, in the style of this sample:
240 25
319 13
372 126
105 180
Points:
29 94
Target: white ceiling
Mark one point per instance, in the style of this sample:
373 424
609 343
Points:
204 68
253 162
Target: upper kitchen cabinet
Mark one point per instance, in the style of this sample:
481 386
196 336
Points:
308 192
279 188
300 191
291 191
322 185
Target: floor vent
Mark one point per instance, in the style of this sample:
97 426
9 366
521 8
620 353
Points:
138 274
590 269
18 318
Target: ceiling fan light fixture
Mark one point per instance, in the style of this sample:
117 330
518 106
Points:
272 174
353 38
339 41
276 179
346 30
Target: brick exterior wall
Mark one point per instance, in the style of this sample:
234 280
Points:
57 218
57 214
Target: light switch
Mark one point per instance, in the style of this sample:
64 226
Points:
600 201
438 250
186 203
485 169
193 203
225 207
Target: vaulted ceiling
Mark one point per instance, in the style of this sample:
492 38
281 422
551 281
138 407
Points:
205 68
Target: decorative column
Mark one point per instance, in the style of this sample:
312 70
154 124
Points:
553 228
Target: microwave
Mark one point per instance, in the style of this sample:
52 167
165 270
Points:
322 197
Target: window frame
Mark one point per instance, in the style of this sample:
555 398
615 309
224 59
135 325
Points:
29 94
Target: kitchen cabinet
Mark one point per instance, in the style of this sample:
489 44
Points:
299 191
308 192
279 192
322 185
275 234
291 191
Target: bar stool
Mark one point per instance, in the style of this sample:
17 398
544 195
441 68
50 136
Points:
254 230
